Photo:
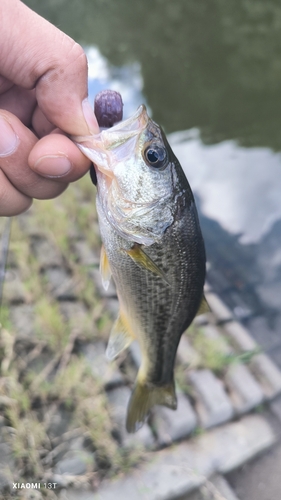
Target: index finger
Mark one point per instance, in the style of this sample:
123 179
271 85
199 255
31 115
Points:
51 62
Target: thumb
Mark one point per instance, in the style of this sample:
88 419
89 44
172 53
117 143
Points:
51 62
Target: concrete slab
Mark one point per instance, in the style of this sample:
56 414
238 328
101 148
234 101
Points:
175 472
212 402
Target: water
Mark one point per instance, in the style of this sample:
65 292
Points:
210 73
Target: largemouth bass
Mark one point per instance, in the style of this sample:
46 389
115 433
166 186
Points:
153 248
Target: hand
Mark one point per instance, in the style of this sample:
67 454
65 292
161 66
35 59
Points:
43 96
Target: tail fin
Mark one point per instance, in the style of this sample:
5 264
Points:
145 396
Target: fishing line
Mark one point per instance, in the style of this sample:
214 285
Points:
4 255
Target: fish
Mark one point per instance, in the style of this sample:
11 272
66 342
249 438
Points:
153 248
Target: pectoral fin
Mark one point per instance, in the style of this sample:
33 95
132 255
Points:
104 269
143 260
120 338
204 307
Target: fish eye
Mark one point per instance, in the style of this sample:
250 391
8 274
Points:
155 156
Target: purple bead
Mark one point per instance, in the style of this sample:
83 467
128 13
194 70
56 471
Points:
108 111
108 108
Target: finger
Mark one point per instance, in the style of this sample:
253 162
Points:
20 102
16 142
51 62
40 124
12 202
56 156
5 84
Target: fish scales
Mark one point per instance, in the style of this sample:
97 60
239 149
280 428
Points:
163 310
153 248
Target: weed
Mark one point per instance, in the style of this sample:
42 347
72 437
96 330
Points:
215 353
53 221
211 352
26 262
87 288
5 321
22 398
198 431
19 246
129 458
260 408
181 371
27 441
73 382
50 324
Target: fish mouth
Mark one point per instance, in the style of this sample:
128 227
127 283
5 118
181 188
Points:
114 144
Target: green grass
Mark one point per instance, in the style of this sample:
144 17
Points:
44 373
216 354
5 320
212 352
50 324
67 379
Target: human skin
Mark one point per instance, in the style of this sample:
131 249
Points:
43 98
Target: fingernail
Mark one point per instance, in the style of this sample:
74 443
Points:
8 138
90 117
52 166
